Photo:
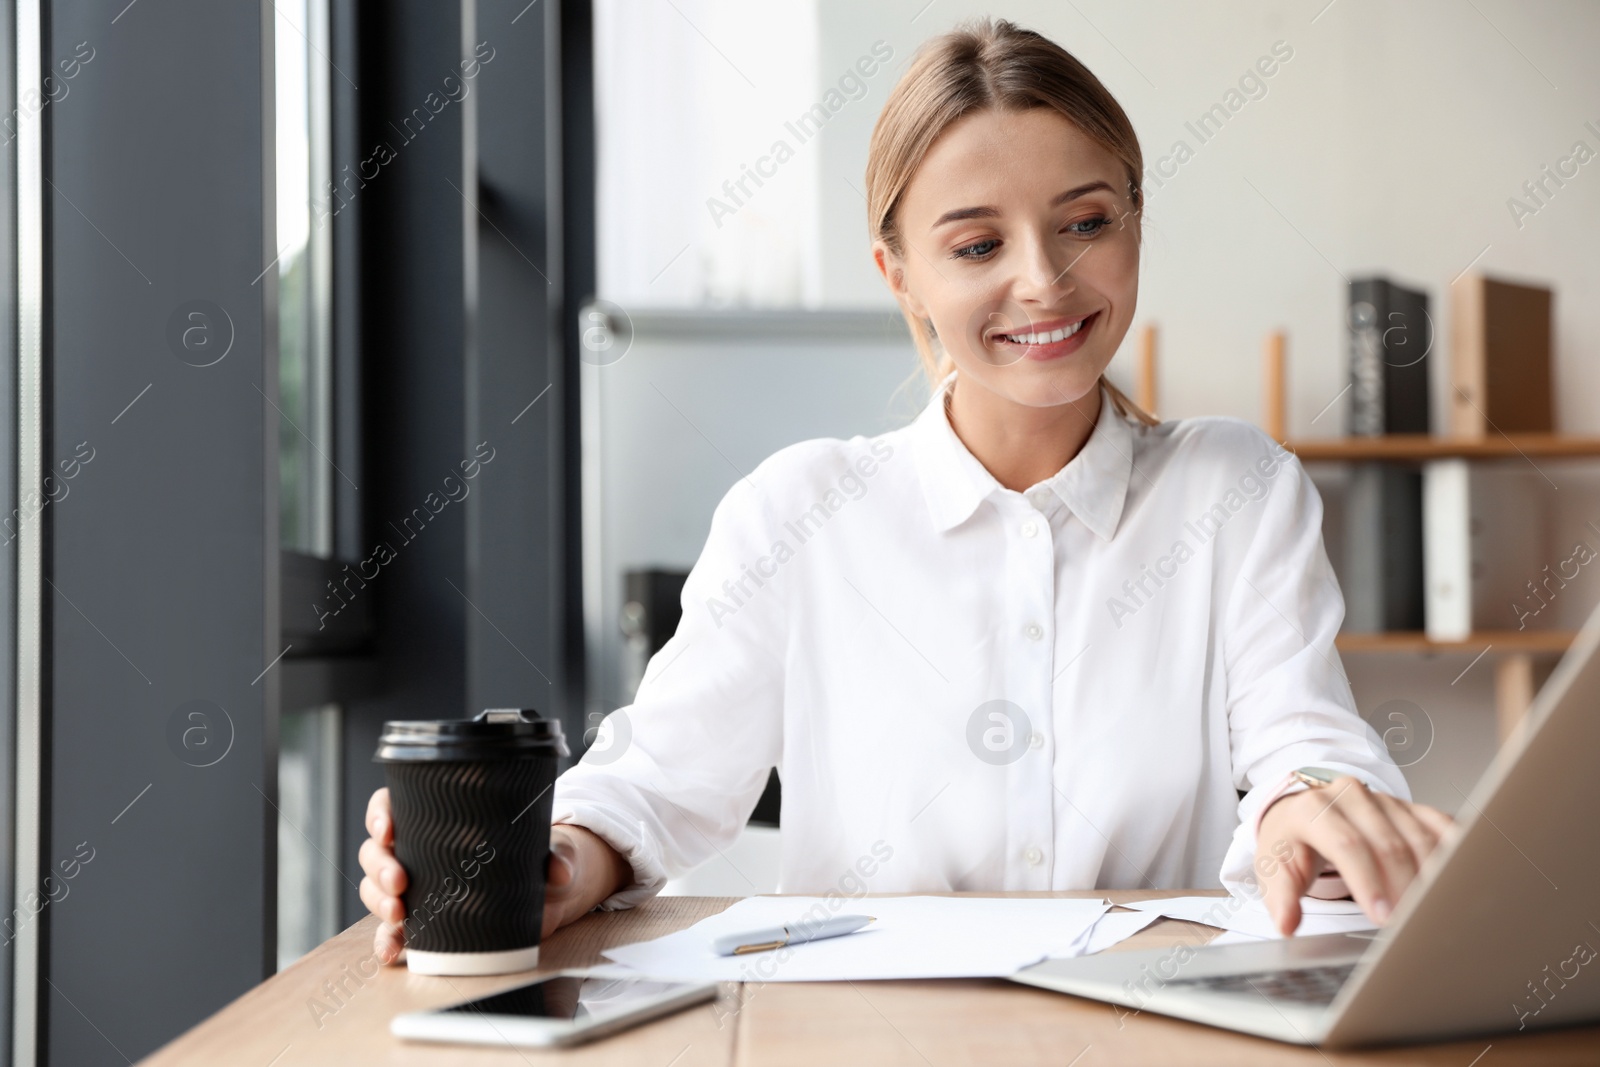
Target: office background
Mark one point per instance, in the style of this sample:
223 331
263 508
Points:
1390 139
273 376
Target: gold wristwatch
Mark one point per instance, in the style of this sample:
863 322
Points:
1315 777
1320 776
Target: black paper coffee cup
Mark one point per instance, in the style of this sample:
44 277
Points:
471 802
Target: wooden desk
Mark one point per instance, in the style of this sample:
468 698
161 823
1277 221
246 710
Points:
916 1024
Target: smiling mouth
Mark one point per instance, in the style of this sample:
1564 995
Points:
1033 337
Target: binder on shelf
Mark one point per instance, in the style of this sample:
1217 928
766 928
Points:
1383 567
1500 357
1485 536
1390 336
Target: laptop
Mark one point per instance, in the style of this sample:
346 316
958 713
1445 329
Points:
1499 932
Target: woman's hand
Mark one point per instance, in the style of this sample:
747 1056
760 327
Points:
582 871
1375 841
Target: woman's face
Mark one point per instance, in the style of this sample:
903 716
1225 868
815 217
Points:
1016 229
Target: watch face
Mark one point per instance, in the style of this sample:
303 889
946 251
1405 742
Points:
1320 775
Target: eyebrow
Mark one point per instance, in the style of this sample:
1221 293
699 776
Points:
962 213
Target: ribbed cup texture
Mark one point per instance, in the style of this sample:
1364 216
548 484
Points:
472 837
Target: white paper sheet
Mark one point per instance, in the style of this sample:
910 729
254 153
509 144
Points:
1233 937
1108 930
913 937
1251 916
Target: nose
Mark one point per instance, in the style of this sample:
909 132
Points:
1044 270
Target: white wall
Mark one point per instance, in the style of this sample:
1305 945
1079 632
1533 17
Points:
690 96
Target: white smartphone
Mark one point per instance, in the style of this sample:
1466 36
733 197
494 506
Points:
560 1009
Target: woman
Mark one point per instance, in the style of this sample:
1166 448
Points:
1035 640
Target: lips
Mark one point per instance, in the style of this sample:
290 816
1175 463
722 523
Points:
1047 339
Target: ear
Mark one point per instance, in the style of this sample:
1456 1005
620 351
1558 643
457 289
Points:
892 267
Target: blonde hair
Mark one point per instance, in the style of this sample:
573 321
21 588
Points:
987 64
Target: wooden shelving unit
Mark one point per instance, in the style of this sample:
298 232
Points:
1513 650
1422 448
1504 641
1515 682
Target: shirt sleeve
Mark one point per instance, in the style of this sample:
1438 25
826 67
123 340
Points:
685 763
1289 702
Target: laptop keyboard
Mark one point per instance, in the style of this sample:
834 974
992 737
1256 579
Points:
1311 985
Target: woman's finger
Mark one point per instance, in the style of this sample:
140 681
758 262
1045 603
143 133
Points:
1397 863
373 857
388 940
379 864
560 879
1436 820
1345 847
1287 883
383 905
1422 837
562 870
379 825
368 854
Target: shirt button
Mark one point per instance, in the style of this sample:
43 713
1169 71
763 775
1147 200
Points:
1029 529
1034 857
1035 631
1036 741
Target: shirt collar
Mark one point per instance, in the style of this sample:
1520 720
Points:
1093 484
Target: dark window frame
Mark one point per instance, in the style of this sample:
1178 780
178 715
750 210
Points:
450 626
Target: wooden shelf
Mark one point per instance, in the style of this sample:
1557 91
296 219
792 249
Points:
1419 447
1498 640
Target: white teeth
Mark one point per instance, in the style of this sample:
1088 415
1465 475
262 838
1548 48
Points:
1045 338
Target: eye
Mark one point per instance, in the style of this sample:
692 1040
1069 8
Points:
1094 226
977 250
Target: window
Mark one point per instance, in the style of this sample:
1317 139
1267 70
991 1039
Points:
308 754
697 207
308 832
305 320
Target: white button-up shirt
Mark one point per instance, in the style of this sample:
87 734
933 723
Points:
964 687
